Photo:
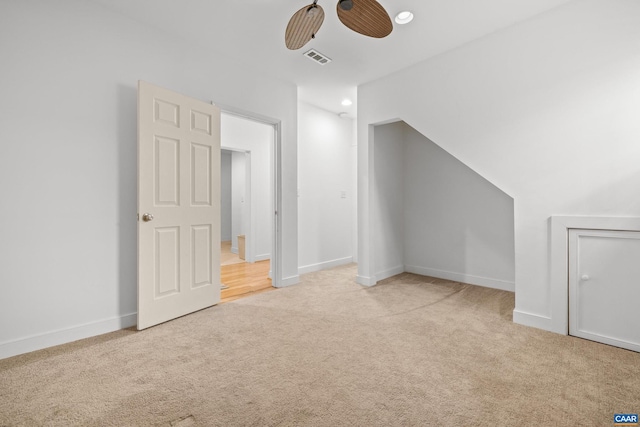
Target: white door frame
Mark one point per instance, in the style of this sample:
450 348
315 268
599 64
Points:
276 185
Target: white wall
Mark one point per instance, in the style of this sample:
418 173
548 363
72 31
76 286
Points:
387 207
257 139
458 226
325 174
225 195
239 207
546 110
434 216
68 168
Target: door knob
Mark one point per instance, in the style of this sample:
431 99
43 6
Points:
146 217
585 277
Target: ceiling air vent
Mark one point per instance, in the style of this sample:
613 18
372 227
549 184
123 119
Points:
317 57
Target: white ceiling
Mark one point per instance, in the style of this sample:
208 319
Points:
252 32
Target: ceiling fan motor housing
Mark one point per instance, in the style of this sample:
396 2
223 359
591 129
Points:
345 4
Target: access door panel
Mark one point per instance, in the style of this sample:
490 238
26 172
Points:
604 289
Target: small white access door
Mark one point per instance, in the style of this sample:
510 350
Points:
178 205
604 287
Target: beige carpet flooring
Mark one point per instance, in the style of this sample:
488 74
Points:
412 351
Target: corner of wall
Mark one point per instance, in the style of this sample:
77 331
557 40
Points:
365 280
533 320
289 281
324 265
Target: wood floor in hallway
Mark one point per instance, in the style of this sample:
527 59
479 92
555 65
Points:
242 278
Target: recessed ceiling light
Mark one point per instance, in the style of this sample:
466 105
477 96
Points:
404 17
346 102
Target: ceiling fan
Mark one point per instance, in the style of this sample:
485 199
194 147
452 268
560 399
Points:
366 17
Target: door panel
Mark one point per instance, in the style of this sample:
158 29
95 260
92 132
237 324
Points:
167 171
200 175
201 261
178 185
167 262
604 289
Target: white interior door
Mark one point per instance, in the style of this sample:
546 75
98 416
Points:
604 289
178 205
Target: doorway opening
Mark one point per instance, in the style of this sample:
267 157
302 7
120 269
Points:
248 213
432 215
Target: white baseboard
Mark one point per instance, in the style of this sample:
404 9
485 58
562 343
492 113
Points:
234 250
262 257
324 265
67 335
390 273
534 320
289 281
365 280
463 278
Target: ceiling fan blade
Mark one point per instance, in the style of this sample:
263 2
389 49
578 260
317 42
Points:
366 17
303 26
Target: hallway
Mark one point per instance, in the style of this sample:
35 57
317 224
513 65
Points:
242 278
